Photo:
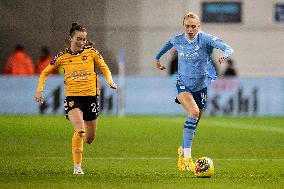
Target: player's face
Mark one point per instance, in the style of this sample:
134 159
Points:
191 27
78 40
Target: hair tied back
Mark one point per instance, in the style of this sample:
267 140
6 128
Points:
74 24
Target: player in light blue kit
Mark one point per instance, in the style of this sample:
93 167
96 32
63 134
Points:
195 72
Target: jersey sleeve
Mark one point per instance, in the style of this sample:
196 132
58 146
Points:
169 44
49 68
219 44
98 59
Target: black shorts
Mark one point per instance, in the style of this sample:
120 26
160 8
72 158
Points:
200 96
89 105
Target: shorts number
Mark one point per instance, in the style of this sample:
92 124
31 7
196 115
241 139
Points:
203 98
94 107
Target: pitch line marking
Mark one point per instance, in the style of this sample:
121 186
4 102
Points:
249 127
154 158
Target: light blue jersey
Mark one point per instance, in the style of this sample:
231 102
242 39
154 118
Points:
195 69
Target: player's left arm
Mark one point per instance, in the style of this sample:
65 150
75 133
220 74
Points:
220 44
98 59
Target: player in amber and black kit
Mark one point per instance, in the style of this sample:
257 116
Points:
78 61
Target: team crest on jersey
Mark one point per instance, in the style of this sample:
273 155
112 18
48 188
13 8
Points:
84 58
71 104
196 47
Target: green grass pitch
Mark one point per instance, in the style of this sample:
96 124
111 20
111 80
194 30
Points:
141 152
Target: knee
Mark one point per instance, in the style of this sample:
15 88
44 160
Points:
195 113
80 132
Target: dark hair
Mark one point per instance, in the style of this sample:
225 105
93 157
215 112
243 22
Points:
76 27
45 50
19 47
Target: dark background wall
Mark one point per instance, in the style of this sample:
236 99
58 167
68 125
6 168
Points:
37 23
141 28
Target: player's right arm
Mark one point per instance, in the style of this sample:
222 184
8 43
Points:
42 78
164 49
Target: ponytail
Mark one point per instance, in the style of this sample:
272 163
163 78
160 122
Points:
90 43
76 27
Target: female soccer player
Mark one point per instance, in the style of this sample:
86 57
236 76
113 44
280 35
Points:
195 72
82 88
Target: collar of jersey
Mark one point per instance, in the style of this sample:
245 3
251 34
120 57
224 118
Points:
75 53
193 40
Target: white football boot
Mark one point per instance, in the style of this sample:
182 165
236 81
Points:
78 170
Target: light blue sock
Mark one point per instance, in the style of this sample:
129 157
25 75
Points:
188 132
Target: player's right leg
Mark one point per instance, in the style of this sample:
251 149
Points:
181 165
187 101
76 118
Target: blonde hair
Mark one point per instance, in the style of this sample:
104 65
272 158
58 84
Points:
190 15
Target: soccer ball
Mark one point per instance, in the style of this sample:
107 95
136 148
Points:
204 167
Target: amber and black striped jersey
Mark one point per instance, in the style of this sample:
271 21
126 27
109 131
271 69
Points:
79 70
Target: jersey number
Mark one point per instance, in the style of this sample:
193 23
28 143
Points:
94 107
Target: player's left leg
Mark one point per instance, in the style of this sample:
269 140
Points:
91 113
199 117
91 127
200 98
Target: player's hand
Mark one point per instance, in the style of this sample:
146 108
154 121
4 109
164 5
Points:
222 59
38 97
112 85
159 65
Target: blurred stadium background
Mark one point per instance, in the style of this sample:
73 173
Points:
128 33
141 27
254 28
